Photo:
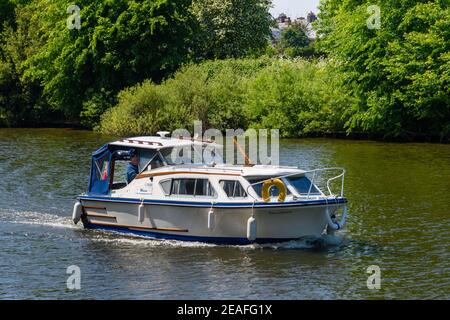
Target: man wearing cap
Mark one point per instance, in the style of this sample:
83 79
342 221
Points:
133 167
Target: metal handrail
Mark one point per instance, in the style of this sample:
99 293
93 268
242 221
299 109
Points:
314 171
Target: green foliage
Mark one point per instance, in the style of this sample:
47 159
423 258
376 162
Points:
391 83
78 73
6 13
140 109
400 72
300 52
7 8
295 36
120 43
21 101
212 92
97 104
300 97
231 29
294 43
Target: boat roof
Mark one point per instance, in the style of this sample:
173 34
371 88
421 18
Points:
248 172
153 142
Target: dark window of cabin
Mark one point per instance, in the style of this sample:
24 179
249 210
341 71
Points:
203 188
183 186
191 187
233 188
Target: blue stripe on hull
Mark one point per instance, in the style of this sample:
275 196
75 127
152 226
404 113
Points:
165 236
219 205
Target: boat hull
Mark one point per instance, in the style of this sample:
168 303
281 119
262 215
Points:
209 223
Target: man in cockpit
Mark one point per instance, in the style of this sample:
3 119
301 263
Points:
133 167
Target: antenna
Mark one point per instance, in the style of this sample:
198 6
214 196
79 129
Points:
163 134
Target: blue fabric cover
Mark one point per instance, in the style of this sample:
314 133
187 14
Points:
100 171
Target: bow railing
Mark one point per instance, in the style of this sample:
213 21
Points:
314 173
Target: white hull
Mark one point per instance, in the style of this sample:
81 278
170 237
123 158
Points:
228 225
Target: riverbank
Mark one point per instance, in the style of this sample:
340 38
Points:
334 136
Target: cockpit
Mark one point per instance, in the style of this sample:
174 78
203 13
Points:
109 163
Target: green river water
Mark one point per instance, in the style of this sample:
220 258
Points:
399 220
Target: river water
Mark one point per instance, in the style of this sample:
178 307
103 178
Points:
399 220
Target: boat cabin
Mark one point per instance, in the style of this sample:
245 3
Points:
109 162
177 168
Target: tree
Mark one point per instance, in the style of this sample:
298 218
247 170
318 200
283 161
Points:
6 13
120 43
21 101
231 28
294 40
294 36
400 71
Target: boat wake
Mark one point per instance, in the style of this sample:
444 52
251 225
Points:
119 238
36 218
323 241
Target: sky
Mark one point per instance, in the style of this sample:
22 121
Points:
294 8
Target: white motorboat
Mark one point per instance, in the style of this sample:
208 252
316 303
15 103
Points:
207 202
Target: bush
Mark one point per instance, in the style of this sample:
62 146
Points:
297 96
211 92
300 97
140 110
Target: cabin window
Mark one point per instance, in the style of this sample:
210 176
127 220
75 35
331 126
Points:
165 185
151 162
203 188
303 185
119 179
183 186
189 187
167 154
102 170
233 188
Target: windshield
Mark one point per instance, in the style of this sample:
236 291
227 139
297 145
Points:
145 155
303 185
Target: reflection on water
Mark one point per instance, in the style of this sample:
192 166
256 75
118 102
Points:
399 220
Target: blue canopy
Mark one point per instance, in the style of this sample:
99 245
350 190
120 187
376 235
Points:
100 171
